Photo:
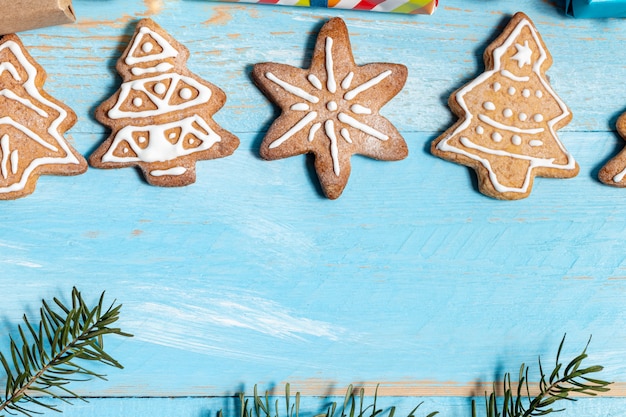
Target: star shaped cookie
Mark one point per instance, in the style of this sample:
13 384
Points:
331 109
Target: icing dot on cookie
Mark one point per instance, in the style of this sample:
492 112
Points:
191 141
496 137
125 150
538 118
159 88
516 140
507 112
535 142
522 117
147 47
480 130
511 90
488 105
141 139
538 94
137 102
172 135
185 93
331 106
496 86
526 92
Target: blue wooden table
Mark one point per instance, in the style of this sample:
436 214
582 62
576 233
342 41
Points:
411 279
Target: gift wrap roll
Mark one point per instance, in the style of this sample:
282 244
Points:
20 15
392 6
595 8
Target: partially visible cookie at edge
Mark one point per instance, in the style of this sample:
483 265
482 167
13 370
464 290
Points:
32 125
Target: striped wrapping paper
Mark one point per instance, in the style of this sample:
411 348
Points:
390 6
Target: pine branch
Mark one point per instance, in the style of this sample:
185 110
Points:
558 386
45 359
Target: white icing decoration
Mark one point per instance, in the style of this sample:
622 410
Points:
185 93
299 107
4 148
53 130
171 171
329 128
168 51
509 74
523 55
315 82
137 102
141 139
522 117
331 84
160 95
538 94
444 144
350 121
12 96
480 130
159 148
535 142
359 109
495 136
7 66
14 161
147 47
507 112
511 90
538 118
526 92
619 177
191 141
125 150
296 91
172 135
366 85
162 67
159 88
313 130
501 126
295 129
496 86
345 135
345 84
331 106
488 105
516 140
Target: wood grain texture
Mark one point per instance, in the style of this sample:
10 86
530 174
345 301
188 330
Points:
411 279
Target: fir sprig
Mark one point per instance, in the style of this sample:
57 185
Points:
353 406
46 358
561 382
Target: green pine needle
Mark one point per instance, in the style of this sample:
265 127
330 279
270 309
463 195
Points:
46 358
557 386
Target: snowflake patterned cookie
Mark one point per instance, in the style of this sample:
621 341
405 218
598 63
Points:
161 117
509 116
614 172
32 124
331 109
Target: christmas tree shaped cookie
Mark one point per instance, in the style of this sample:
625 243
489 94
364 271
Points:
161 117
331 109
509 116
32 124
614 172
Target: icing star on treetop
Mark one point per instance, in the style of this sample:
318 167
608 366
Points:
331 109
523 55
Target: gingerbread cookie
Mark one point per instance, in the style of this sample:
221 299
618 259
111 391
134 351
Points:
32 125
161 117
509 116
331 109
614 172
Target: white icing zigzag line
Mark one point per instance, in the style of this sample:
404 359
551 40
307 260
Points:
163 106
12 96
162 67
168 50
515 129
7 66
159 149
443 145
32 90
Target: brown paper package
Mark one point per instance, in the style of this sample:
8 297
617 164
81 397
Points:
20 15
